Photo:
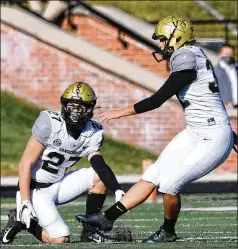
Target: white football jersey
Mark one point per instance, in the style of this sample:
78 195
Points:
201 99
62 151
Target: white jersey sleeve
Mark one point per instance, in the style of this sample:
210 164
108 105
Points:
42 128
183 59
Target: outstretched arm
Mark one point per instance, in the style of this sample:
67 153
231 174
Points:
127 111
173 85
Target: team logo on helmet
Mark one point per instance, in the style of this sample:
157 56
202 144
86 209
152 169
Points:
174 32
57 142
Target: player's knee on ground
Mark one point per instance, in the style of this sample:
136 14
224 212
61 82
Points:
60 240
56 233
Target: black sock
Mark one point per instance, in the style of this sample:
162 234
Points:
169 225
94 202
36 230
18 226
115 211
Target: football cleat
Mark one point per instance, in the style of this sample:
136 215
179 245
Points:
160 237
87 232
95 235
96 220
9 233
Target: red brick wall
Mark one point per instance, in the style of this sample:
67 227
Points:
106 37
39 72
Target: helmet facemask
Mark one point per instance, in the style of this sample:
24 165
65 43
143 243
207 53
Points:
77 114
78 102
164 53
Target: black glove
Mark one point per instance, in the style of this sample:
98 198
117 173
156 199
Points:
235 142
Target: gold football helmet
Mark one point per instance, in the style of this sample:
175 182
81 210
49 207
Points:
78 102
176 32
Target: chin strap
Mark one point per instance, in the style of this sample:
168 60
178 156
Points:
235 142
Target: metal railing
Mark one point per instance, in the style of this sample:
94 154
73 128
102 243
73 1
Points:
122 29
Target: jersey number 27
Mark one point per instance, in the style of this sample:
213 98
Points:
55 155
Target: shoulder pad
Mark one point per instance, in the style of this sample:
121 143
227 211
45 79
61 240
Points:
183 59
91 128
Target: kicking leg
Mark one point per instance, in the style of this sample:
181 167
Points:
135 196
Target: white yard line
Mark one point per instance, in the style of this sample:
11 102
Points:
32 245
181 219
214 239
4 217
212 209
150 232
202 209
188 225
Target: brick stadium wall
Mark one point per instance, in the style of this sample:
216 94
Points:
107 37
39 72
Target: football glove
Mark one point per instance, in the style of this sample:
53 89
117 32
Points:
27 213
119 194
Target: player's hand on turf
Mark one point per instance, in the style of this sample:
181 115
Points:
27 213
119 194
106 116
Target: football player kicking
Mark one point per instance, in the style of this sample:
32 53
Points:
200 148
59 140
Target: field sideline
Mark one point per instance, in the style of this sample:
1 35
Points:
206 221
